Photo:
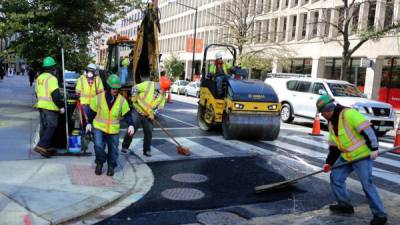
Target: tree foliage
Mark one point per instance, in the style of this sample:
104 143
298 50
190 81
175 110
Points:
42 27
174 67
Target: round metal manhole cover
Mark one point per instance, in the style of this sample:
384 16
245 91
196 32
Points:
189 178
182 194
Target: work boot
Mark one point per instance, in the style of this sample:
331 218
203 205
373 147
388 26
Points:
147 153
42 151
378 220
99 168
110 171
342 208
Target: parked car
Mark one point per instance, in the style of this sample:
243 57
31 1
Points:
298 97
179 86
193 89
71 78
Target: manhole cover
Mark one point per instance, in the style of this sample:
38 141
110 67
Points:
218 218
182 194
189 178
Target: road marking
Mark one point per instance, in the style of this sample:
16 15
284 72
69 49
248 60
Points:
172 118
243 146
171 128
157 155
198 149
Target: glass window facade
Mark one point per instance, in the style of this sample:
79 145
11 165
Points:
356 74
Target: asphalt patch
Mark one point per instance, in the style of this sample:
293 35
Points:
230 183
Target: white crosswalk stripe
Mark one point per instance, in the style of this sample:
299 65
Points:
198 149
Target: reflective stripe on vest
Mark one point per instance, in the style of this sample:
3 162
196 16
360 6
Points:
357 142
109 125
147 107
86 96
45 100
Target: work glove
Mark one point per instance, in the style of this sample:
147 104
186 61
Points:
88 128
374 154
131 130
326 167
62 111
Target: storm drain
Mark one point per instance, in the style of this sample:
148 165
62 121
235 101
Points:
189 178
182 194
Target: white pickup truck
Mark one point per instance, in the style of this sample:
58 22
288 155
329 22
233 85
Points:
298 97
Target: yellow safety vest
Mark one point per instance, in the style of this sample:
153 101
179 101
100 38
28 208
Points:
349 139
86 91
146 100
46 83
107 120
226 67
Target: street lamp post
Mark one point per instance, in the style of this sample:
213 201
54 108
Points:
194 34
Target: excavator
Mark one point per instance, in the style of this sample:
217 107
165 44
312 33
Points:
144 53
247 109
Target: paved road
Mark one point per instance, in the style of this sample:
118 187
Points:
18 120
220 174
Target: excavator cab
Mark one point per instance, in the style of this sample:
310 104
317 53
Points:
245 109
118 64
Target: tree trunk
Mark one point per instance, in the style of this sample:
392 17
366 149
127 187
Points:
345 66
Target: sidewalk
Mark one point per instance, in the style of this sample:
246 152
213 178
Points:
36 191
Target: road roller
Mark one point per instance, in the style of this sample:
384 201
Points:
246 109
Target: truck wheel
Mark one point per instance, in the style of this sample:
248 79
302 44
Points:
287 113
227 130
201 114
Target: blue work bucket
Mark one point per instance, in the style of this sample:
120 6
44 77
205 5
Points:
75 142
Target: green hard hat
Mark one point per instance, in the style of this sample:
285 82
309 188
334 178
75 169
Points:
125 62
49 61
113 81
323 101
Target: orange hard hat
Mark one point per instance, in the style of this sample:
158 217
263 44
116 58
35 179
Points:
165 83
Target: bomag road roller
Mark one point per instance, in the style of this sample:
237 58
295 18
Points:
246 109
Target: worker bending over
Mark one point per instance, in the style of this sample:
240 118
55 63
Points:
351 137
107 109
146 97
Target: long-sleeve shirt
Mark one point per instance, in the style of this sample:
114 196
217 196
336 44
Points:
110 102
57 98
367 133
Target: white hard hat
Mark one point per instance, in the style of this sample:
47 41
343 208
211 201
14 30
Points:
218 55
91 67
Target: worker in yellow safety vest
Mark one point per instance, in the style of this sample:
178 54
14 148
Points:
146 97
106 110
351 137
219 71
88 86
50 104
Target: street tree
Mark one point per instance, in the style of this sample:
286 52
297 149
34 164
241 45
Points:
174 66
241 23
344 23
42 27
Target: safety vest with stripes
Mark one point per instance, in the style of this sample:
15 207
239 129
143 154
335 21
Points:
46 83
86 91
225 67
145 100
349 139
107 120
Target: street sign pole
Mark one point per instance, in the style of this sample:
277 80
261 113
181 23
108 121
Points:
65 97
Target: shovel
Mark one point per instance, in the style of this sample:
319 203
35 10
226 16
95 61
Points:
284 184
181 150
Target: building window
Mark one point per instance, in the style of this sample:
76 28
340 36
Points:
371 14
327 19
299 66
315 24
293 35
303 32
284 28
388 13
356 14
356 74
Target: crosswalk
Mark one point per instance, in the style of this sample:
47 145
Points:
314 149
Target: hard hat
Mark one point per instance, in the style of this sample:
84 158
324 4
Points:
218 55
165 83
323 101
125 62
113 81
91 67
49 61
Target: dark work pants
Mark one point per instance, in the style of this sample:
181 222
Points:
48 125
147 126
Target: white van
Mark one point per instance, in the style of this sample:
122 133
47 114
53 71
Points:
298 97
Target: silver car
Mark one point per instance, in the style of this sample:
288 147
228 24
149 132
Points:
179 86
193 89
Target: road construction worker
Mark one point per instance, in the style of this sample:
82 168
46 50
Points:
50 104
124 70
146 97
107 108
219 70
351 137
88 86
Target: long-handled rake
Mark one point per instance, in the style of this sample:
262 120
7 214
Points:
284 184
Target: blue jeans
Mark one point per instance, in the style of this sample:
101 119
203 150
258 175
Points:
220 80
48 126
100 141
363 169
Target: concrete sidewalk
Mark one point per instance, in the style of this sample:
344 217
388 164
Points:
52 191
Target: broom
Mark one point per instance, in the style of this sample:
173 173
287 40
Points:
181 150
